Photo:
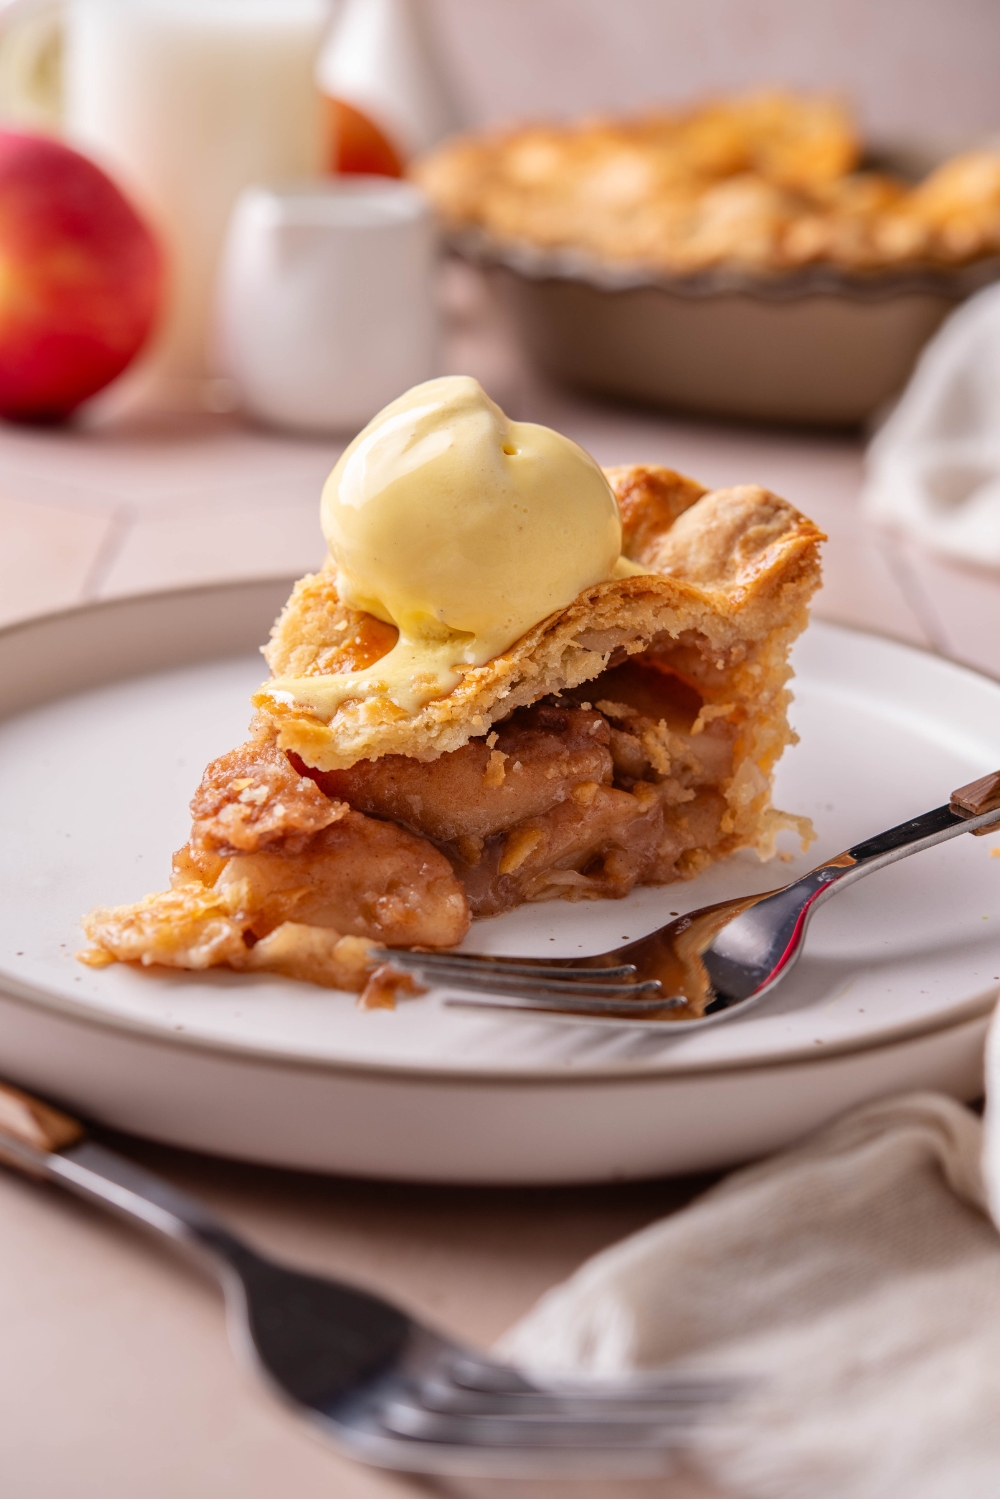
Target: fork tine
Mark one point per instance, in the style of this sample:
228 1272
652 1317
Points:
631 1403
506 1430
526 983
476 963
487 984
622 1009
583 984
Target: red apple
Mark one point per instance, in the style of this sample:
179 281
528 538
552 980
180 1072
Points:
81 279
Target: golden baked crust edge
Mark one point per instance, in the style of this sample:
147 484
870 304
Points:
733 566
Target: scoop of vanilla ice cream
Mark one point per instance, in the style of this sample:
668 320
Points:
444 517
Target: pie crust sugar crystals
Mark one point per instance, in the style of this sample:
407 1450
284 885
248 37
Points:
628 737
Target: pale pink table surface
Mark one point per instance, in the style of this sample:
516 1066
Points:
115 1377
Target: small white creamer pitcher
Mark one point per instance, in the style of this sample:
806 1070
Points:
325 305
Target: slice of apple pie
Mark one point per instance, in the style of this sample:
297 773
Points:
516 678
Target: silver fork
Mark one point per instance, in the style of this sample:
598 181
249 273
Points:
709 965
385 1388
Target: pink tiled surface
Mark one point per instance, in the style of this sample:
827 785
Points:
116 1379
49 554
152 502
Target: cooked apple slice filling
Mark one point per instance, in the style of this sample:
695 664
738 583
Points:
278 876
564 798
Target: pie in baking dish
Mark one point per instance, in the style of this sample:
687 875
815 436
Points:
766 183
404 775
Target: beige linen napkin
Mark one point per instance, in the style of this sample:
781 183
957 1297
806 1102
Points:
858 1274
933 471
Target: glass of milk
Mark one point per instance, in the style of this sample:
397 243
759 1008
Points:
185 103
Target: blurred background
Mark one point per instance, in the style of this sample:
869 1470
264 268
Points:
923 68
284 293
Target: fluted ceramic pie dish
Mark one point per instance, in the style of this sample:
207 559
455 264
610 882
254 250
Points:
747 255
818 347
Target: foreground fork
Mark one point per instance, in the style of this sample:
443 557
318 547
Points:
708 965
382 1386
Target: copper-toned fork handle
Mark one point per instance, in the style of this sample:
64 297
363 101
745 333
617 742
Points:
28 1121
980 796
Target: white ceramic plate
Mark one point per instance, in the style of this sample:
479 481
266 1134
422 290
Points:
897 978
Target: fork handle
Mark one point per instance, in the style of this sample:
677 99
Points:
931 828
794 905
45 1143
30 1128
978 797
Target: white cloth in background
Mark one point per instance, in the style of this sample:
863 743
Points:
858 1273
933 471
